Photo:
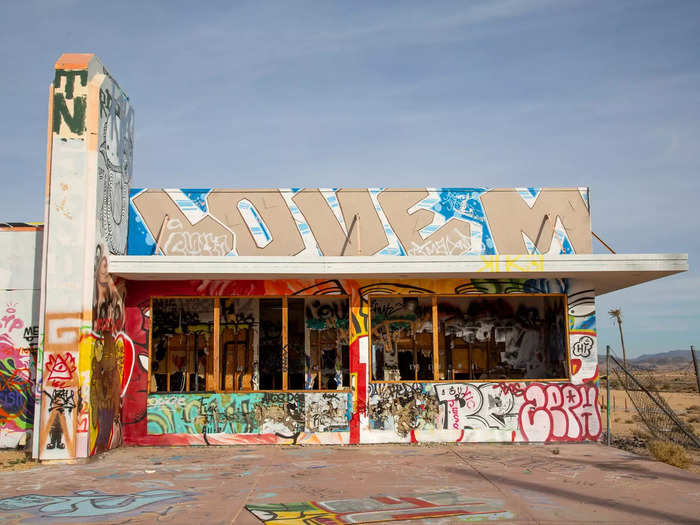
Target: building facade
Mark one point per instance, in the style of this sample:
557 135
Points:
288 315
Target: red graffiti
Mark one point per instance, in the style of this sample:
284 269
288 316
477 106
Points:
129 359
510 388
60 370
576 365
560 412
594 378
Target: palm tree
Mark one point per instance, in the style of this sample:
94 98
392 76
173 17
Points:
616 314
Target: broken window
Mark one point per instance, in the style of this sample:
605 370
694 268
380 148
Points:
239 327
297 344
181 345
328 342
402 338
280 343
514 337
271 347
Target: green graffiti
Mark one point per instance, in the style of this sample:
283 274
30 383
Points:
76 121
70 80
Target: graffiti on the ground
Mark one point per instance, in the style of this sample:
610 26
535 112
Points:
383 509
89 503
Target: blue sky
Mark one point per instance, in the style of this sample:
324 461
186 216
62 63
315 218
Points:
503 93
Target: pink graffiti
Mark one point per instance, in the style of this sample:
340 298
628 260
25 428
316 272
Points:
560 412
10 322
455 413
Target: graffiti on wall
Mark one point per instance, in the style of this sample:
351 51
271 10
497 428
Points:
384 509
373 221
460 411
529 411
402 407
69 102
108 297
114 166
477 406
560 412
284 414
18 345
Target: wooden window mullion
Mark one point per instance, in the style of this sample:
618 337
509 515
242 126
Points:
216 335
285 343
436 340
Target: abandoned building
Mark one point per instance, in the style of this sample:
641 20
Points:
216 316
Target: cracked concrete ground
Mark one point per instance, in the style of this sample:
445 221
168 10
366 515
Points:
570 483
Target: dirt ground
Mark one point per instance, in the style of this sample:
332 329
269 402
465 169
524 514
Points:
15 460
628 431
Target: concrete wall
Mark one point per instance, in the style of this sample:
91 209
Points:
373 411
19 332
315 222
89 167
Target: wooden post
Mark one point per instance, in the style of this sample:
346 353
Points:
216 357
436 340
285 343
151 379
607 388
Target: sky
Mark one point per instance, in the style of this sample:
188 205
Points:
354 94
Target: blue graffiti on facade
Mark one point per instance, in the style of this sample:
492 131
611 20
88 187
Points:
249 413
459 203
445 204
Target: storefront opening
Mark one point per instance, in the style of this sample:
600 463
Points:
273 344
478 337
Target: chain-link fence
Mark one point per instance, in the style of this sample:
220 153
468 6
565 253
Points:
659 418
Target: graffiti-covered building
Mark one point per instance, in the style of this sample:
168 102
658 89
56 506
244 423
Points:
318 315
19 330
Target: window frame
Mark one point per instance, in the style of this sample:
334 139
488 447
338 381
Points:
216 353
436 337
167 355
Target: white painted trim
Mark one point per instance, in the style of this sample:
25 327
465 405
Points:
607 272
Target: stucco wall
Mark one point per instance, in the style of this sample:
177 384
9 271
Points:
376 411
377 221
19 333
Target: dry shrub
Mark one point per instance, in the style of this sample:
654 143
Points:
694 419
694 408
669 453
641 434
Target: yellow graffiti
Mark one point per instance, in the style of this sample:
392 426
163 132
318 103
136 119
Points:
512 263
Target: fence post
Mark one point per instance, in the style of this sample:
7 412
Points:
607 387
697 367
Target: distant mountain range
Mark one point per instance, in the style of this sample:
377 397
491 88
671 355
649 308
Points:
672 357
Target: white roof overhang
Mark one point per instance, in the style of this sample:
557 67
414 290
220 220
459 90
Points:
606 272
